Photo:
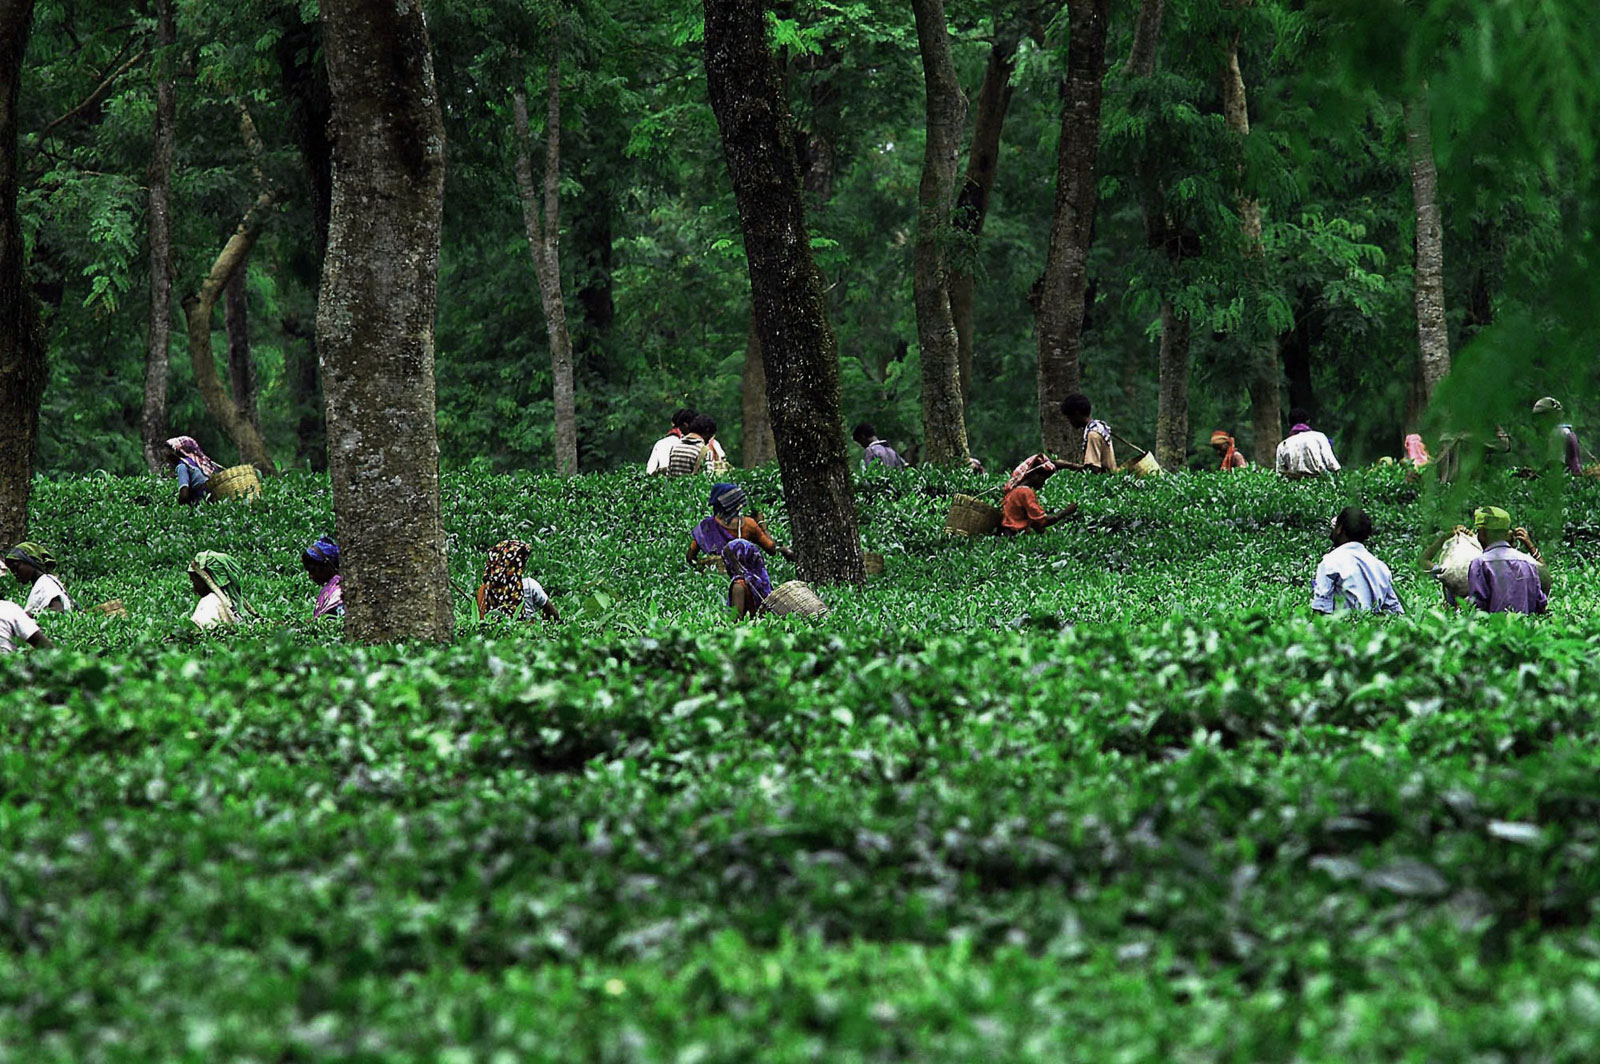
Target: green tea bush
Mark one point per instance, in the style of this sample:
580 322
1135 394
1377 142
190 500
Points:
1108 793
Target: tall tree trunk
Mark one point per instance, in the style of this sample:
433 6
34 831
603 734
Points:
241 367
1432 337
158 340
972 202
197 311
544 241
798 349
1061 295
1263 374
375 314
758 445
944 430
23 370
1164 231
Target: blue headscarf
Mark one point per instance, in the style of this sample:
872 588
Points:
324 550
727 501
745 561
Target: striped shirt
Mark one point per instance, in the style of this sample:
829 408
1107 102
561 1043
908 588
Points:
688 456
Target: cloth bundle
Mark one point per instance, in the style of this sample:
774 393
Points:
1455 558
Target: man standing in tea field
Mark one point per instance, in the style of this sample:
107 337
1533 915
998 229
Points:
1349 577
874 449
661 453
1306 452
1504 579
1098 454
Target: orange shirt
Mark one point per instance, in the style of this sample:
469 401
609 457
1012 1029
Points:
1021 511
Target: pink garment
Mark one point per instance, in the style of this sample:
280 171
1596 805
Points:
1029 465
1417 451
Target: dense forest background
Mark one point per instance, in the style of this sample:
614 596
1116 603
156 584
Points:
651 260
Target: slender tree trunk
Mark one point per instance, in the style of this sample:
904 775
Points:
972 202
153 417
798 349
1432 337
23 370
375 313
544 241
1263 374
1164 231
197 312
944 430
241 367
758 445
1061 294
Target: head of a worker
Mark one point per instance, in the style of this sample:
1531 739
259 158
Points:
1299 418
704 426
864 434
1077 408
1221 442
1492 525
1353 525
1547 409
682 419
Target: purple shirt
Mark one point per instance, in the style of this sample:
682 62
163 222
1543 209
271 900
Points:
879 451
1505 580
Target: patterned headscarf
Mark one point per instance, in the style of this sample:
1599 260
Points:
1029 465
1417 451
727 501
324 550
223 572
502 577
745 561
190 454
1548 405
34 555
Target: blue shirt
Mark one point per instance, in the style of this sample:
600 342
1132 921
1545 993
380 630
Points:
190 477
1350 578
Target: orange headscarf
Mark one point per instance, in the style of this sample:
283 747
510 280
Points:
1227 459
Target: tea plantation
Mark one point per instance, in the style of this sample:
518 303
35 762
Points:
1105 794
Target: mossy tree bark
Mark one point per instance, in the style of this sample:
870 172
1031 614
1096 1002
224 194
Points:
756 444
798 349
241 366
375 320
1433 338
1063 290
22 356
944 429
158 336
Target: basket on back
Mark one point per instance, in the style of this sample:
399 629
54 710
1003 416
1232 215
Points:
795 597
236 482
1146 466
970 516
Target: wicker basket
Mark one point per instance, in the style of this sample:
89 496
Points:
795 597
970 516
1146 466
114 608
872 562
236 482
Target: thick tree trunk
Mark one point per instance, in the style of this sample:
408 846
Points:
544 241
158 340
22 356
197 310
798 350
241 367
972 202
375 314
944 430
1061 295
758 446
1262 372
1172 416
1433 338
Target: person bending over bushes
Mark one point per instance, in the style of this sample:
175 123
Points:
1099 456
18 630
507 590
1020 511
1349 577
34 566
321 563
727 523
218 581
193 468
748 582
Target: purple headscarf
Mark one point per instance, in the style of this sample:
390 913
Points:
190 454
746 562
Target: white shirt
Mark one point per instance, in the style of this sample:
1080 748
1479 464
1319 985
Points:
16 627
1350 578
534 597
211 612
1306 454
47 594
660 453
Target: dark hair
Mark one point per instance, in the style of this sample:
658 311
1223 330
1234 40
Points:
704 426
864 433
1299 416
1355 524
682 418
1076 403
